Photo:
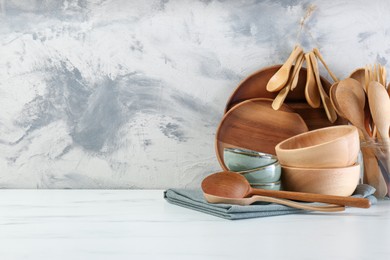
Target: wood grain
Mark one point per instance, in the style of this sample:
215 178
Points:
233 185
254 86
330 181
257 198
254 125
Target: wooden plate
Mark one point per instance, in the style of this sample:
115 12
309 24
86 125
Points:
314 118
254 125
254 86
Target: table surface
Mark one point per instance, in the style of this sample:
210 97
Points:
140 224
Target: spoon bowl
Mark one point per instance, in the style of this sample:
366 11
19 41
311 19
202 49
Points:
280 78
291 84
351 99
311 91
359 75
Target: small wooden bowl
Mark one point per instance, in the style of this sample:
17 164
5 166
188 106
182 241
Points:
335 146
327 181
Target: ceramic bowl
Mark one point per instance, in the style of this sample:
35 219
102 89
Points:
265 174
330 181
267 186
335 146
237 159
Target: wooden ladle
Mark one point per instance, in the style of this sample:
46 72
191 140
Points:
256 198
235 186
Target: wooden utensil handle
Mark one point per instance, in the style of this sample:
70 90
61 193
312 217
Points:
297 205
318 54
293 56
311 197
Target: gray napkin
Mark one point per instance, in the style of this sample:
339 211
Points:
193 199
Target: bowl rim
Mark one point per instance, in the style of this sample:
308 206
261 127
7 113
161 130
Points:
352 130
250 153
273 165
318 169
274 183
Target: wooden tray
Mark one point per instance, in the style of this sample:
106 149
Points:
254 125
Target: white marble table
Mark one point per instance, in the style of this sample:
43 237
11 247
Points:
140 224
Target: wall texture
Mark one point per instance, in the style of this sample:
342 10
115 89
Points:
128 94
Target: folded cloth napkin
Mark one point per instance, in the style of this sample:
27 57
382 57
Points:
194 199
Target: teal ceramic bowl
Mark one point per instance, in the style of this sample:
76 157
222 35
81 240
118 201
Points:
238 160
265 174
267 186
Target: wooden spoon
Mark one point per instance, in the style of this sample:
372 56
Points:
279 99
380 108
384 75
233 185
318 54
311 90
351 99
279 80
299 64
359 75
332 96
336 106
388 89
372 173
253 199
330 112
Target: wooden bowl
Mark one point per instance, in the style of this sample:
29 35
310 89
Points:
335 146
329 181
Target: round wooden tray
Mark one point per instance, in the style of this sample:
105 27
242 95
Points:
253 124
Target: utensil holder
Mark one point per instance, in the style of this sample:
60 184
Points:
377 152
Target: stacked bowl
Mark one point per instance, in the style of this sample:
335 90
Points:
262 170
322 161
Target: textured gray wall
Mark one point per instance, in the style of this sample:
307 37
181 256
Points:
128 94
